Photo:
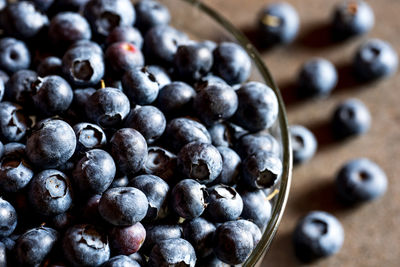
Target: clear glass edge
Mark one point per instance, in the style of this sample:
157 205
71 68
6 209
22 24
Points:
279 208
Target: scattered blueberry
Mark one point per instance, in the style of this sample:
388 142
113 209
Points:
304 143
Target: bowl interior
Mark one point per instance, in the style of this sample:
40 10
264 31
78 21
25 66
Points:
202 23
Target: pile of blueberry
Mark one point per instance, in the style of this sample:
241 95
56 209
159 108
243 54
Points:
320 234
125 143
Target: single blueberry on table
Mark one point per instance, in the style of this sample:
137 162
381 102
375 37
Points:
18 87
14 123
192 61
375 59
181 131
360 180
121 261
172 252
160 162
149 14
140 86
157 193
352 18
116 207
200 161
256 208
304 143
8 218
105 15
351 118
199 232
51 144
50 66
148 120
123 56
317 235
14 55
223 203
278 23
317 78
127 240
52 95
107 107
188 198
129 150
233 242
158 232
215 102
50 192
85 245
34 245
175 99
231 63
94 172
88 136
258 106
231 164
127 34
261 170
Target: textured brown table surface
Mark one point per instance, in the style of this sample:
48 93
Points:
372 230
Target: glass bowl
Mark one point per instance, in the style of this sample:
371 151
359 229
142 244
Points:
202 23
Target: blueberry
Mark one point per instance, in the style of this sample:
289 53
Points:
156 191
8 218
209 79
50 192
151 13
192 61
121 261
121 181
160 74
116 206
52 95
15 170
83 66
85 245
231 164
261 170
107 107
13 122
231 63
375 59
318 234
158 232
233 242
22 19
88 136
129 149
94 172
220 135
87 44
123 56
140 86
127 240
14 55
18 88
68 27
79 101
188 198
317 77
51 144
175 98
63 221
9 242
256 208
138 258
3 254
127 34
200 161
351 18
250 144
351 118
172 252
50 66
223 203
253 229
258 106
160 162
199 232
304 143
161 43
148 120
278 23
215 102
34 245
360 180
181 131
104 15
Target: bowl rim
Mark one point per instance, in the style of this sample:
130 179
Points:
286 177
